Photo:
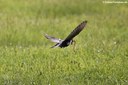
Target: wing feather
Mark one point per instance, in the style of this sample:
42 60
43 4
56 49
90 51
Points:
53 39
76 31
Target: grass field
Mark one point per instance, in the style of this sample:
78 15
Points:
101 55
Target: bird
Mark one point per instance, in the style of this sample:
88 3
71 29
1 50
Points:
69 39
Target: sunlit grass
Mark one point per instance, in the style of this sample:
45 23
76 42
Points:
101 54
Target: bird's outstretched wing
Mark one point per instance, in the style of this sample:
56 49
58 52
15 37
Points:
76 31
53 39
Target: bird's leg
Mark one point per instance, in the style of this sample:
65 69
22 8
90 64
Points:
74 44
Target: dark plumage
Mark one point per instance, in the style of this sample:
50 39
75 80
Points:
69 39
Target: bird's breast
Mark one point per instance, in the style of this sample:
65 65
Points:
65 43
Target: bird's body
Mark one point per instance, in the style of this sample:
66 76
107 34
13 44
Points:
69 39
65 43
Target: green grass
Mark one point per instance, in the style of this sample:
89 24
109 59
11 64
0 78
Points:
101 55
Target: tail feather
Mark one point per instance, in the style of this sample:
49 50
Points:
56 45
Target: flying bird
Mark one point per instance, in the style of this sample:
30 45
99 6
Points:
69 39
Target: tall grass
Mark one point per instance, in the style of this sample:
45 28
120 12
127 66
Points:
101 54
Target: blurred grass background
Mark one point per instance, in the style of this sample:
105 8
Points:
101 55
